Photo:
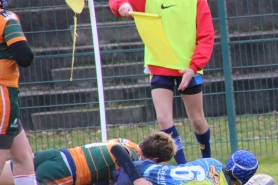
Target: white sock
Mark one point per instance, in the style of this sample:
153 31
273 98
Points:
29 179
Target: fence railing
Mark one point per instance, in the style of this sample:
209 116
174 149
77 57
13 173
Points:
240 89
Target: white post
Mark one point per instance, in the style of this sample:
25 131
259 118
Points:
98 70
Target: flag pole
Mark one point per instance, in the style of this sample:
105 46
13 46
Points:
98 71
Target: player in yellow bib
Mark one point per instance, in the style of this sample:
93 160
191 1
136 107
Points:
189 30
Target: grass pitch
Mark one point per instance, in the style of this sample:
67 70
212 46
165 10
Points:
256 133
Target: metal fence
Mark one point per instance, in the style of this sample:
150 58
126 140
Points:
240 89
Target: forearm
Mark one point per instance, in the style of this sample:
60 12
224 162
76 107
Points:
22 53
124 161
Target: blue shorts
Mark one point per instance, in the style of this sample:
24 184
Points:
169 82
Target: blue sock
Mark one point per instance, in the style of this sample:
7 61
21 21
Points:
203 140
179 156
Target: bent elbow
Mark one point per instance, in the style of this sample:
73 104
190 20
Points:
26 61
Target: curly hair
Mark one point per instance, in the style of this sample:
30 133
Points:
158 145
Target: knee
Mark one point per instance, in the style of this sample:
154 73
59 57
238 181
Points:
22 156
164 119
199 123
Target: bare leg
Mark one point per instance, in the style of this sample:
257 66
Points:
195 112
6 178
22 157
194 109
163 103
3 158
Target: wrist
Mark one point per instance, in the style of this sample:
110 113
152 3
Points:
194 68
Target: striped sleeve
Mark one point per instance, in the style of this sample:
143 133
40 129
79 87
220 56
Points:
13 32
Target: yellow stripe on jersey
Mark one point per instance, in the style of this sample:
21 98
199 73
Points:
93 161
99 160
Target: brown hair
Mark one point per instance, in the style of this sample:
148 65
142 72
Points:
158 145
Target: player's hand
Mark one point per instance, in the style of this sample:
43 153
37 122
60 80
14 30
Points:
125 9
142 181
186 77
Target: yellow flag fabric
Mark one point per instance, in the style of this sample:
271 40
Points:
152 33
76 5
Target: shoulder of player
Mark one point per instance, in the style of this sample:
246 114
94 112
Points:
7 15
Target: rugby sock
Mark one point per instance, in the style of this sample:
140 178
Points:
179 156
29 179
203 140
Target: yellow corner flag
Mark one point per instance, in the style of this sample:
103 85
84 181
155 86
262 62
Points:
77 7
152 33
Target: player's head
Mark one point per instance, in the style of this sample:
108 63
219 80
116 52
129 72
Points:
158 145
241 166
261 179
4 3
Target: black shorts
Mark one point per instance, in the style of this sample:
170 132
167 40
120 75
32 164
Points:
169 82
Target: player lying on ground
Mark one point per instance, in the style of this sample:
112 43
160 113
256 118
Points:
240 167
95 162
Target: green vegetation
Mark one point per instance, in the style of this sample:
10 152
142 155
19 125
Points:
256 133
268 165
